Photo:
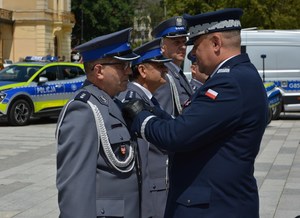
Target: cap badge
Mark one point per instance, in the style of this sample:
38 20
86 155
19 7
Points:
179 21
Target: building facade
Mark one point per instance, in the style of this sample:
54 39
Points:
35 28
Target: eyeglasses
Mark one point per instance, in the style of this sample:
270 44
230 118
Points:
124 65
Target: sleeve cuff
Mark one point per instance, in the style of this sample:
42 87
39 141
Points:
144 126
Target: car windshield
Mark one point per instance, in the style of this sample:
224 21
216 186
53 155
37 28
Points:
17 73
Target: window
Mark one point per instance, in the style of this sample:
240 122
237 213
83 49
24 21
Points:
50 73
70 72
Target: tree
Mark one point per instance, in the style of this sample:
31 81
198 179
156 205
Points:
95 18
263 14
106 16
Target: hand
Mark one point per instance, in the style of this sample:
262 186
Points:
131 108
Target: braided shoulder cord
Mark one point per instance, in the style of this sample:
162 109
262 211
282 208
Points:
175 94
107 147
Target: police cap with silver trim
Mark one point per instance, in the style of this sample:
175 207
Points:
216 21
116 45
150 52
173 27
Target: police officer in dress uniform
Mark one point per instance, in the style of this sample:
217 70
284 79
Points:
177 90
96 164
217 137
198 78
148 74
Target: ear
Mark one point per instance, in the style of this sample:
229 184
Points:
142 70
98 72
216 41
163 48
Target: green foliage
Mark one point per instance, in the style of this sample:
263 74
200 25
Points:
100 17
106 16
264 14
156 11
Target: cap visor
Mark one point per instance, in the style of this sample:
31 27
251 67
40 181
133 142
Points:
128 57
159 60
176 36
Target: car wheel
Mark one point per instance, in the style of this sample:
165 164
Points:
276 111
19 113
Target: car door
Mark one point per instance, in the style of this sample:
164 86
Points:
73 77
49 92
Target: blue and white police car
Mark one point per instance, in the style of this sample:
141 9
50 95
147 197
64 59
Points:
37 89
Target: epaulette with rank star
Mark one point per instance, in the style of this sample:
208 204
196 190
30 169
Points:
83 96
130 95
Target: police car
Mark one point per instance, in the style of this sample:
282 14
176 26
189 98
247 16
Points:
37 89
275 100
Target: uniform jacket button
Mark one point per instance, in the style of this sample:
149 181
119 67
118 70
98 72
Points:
102 211
188 201
154 186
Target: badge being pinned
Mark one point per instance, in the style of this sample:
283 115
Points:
211 94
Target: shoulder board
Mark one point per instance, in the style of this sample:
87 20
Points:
83 96
130 95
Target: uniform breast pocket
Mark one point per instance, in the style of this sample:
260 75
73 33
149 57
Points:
158 184
110 207
198 197
119 139
118 135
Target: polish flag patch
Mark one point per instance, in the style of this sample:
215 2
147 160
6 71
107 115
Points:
211 94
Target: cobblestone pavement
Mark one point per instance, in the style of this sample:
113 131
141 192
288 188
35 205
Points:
27 170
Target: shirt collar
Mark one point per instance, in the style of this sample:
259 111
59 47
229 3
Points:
146 91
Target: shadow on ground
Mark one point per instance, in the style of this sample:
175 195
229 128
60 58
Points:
33 121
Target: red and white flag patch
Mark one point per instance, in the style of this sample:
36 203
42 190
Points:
211 94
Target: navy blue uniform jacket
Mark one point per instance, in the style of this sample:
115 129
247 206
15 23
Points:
215 141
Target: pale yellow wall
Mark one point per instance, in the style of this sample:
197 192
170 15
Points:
24 41
36 24
6 40
51 4
19 4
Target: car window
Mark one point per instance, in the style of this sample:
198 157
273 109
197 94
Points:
80 71
51 73
31 71
17 73
70 72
